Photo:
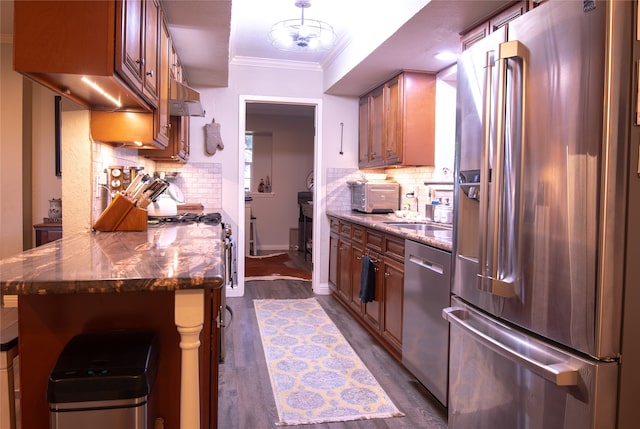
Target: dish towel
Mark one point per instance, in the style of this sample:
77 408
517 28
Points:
213 139
367 280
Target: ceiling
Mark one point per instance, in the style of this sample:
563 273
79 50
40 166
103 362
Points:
211 34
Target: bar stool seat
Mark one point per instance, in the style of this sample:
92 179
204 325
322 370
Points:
8 352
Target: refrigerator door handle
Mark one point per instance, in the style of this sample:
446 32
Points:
494 276
558 371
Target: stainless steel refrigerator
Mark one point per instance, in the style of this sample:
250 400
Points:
543 122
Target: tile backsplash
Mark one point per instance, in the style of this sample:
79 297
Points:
199 182
411 179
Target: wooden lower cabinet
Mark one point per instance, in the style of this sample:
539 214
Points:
47 232
333 261
356 274
48 322
344 270
382 317
371 311
392 289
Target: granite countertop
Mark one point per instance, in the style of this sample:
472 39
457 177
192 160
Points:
441 239
167 257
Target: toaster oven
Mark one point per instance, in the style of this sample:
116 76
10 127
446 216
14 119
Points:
375 197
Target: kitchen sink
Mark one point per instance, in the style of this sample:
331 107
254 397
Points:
417 226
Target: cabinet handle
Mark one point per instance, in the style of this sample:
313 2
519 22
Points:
150 73
140 61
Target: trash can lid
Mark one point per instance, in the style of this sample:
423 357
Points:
96 366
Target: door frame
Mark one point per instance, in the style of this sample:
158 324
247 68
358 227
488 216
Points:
317 178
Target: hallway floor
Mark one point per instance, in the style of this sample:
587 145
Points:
245 396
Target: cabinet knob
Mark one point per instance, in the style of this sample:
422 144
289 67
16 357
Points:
150 73
387 274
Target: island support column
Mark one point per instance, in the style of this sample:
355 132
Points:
189 318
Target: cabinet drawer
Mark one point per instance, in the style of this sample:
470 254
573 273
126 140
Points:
345 230
357 234
334 225
374 240
394 247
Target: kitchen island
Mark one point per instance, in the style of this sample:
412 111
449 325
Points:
157 280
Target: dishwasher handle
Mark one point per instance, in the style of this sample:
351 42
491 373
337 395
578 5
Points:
560 372
425 263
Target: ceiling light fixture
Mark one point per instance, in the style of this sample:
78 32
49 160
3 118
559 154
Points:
302 35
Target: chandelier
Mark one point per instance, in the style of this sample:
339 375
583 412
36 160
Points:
303 35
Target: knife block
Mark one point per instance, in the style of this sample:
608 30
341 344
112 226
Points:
122 215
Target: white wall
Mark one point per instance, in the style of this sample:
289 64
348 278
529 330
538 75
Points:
10 154
45 184
264 83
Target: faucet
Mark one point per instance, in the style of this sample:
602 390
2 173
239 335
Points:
413 196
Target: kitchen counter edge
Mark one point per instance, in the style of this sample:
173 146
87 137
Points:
164 258
377 221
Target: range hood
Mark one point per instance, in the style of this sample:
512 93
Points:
184 101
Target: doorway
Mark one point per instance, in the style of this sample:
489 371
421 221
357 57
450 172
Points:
272 216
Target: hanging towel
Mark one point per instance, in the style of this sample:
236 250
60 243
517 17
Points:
367 280
212 137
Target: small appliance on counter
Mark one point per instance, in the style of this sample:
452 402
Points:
374 196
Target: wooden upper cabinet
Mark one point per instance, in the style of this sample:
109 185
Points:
401 122
376 128
174 129
131 56
393 130
152 59
363 131
111 44
499 20
139 53
163 129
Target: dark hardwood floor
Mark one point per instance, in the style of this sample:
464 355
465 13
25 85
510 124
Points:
245 396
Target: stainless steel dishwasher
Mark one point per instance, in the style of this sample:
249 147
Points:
425 334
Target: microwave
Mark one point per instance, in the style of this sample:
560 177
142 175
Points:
375 197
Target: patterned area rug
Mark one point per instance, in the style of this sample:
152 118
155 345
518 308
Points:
315 374
272 267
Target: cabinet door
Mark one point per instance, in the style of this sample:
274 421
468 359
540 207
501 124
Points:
356 274
371 310
344 271
509 14
131 62
493 23
393 122
333 261
151 49
363 132
393 287
376 121
162 119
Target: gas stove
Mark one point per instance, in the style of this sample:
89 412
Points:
186 219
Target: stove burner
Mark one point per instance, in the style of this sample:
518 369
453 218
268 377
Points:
187 218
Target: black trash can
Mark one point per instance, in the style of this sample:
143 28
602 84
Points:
102 380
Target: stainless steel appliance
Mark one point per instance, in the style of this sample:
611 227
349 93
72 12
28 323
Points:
375 197
542 130
425 335
229 257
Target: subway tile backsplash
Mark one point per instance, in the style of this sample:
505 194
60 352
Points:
199 182
410 179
